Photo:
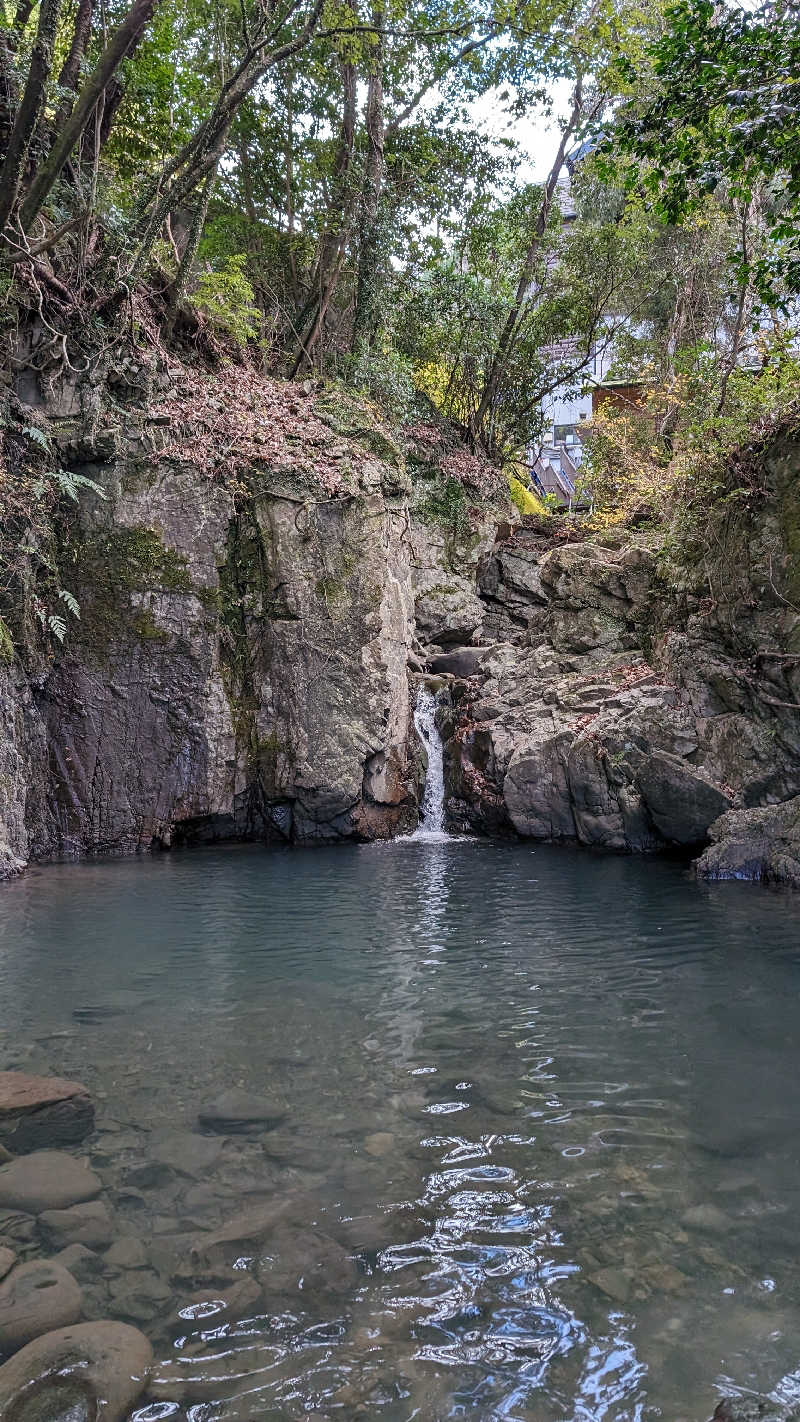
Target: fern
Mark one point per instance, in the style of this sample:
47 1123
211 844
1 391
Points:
71 602
67 483
70 483
38 436
57 626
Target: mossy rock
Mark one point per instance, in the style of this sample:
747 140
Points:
790 530
115 563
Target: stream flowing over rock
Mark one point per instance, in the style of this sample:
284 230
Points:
247 657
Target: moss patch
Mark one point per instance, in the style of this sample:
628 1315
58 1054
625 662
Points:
6 645
790 529
115 563
146 628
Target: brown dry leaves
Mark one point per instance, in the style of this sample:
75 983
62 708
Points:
236 420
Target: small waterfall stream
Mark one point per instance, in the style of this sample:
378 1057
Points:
431 820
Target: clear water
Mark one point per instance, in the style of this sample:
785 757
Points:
540 1157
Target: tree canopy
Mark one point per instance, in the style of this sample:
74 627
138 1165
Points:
307 182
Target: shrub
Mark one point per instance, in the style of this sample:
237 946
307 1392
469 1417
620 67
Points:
227 298
523 499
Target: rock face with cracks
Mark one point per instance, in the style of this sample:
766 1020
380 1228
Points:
589 713
239 669
242 663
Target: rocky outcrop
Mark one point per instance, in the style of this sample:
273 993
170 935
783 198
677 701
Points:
21 759
248 624
240 666
762 845
588 717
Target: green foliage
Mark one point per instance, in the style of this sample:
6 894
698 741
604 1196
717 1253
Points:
66 483
387 378
723 116
522 498
709 471
227 298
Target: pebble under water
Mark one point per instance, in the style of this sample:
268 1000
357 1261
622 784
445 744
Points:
536 1151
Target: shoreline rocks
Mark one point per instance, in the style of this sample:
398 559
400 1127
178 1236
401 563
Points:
761 845
40 1111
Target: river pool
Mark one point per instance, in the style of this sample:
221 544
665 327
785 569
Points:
533 1137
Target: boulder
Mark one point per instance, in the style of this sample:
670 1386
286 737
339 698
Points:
92 1372
681 803
536 789
7 1260
762 844
40 1111
46 1180
34 1299
88 1224
237 1112
448 612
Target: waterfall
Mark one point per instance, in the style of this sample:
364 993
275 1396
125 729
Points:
431 819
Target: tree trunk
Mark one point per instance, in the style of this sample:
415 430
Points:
30 108
366 318
122 41
22 15
509 331
71 69
325 277
186 263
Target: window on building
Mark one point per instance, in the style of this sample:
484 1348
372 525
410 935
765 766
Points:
563 434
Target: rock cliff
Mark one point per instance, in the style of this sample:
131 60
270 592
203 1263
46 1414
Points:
263 572
614 700
239 668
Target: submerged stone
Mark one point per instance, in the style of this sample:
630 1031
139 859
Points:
35 1298
78 1374
37 1111
46 1180
88 1224
237 1112
186 1153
